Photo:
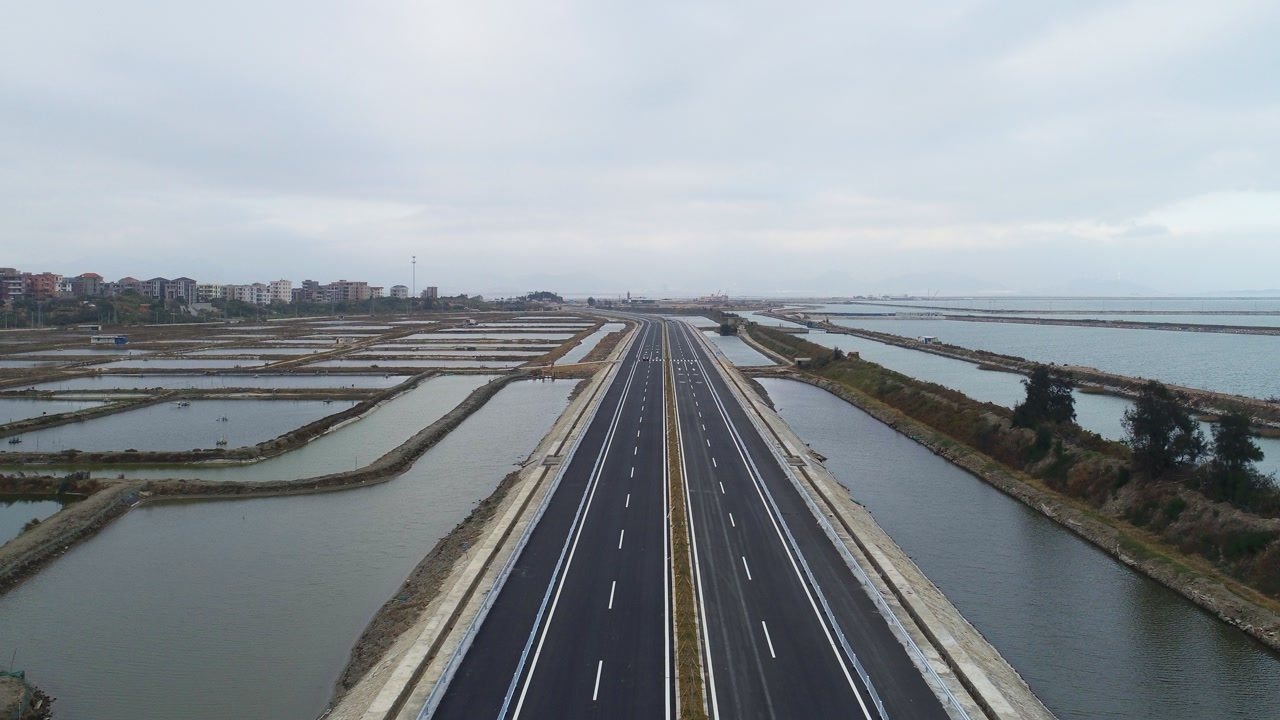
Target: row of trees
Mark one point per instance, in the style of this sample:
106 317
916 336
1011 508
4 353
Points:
1165 439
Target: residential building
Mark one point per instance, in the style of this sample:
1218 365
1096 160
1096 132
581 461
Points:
309 292
64 287
41 286
255 294
12 286
431 293
182 288
87 285
208 292
399 291
281 290
345 291
128 284
375 291
155 287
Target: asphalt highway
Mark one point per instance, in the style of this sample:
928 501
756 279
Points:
776 597
580 628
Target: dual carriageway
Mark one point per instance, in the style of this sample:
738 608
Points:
582 626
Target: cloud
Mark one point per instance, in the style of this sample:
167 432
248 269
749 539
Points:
656 145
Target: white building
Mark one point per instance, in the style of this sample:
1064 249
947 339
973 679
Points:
255 294
281 290
207 292
399 291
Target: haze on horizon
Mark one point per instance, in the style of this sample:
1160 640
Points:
754 148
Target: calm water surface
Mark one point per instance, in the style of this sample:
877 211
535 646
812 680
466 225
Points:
589 343
248 609
1093 639
349 446
15 409
16 512
416 362
214 382
1238 364
168 426
738 352
1099 413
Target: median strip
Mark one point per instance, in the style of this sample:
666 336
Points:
690 691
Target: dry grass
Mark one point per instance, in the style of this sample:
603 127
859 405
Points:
684 606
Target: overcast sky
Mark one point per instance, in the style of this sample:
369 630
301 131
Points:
659 147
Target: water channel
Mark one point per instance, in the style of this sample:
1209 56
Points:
1092 638
1099 413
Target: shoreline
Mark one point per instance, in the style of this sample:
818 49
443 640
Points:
1193 578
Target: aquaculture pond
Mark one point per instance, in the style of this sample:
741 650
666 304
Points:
183 364
347 447
175 426
1099 413
1237 364
414 362
15 409
17 512
249 609
291 381
589 343
738 352
213 352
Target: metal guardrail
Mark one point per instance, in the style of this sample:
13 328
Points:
491 596
874 592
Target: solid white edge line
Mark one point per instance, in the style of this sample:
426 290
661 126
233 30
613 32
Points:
593 482
697 571
790 551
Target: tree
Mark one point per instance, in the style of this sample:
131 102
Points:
1161 432
1049 399
1231 475
591 301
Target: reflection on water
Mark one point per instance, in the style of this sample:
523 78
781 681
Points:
248 609
1093 639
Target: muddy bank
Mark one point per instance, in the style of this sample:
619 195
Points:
1207 402
22 700
607 344
1125 324
380 470
29 552
276 446
423 585
564 347
1191 577
48 421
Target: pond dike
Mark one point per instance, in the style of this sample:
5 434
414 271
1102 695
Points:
1222 597
954 658
1208 402
415 639
250 453
109 499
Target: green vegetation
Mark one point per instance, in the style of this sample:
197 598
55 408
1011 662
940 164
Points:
1152 483
131 308
1161 431
1049 400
